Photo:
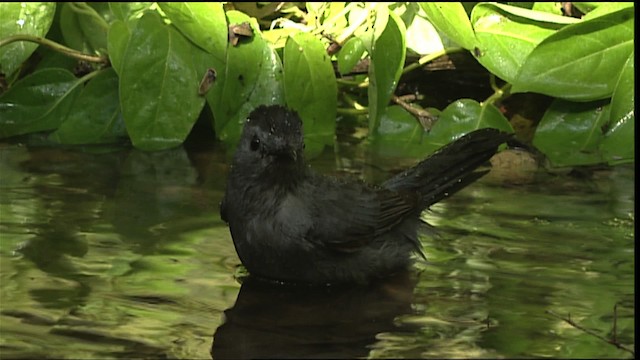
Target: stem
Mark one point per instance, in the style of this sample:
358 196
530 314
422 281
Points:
55 46
346 82
492 82
348 32
352 102
427 58
499 94
90 76
423 60
357 109
345 111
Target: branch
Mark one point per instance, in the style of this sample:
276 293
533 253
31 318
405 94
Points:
613 341
425 118
55 46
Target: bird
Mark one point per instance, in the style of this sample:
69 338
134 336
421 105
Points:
290 224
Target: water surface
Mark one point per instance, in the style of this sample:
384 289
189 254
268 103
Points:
124 255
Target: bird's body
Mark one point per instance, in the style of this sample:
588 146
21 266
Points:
291 224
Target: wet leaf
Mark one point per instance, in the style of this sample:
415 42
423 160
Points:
52 59
400 135
422 37
119 34
387 60
570 132
549 7
537 15
159 84
464 116
29 18
618 144
38 102
504 39
604 8
125 11
577 62
203 23
95 116
350 54
95 26
451 19
310 89
83 28
250 76
71 30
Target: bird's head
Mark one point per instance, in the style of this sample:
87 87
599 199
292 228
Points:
271 139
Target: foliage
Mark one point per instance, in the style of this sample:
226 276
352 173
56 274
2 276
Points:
148 69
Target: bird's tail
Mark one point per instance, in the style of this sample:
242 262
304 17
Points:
451 168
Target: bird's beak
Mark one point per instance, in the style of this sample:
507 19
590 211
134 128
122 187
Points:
286 153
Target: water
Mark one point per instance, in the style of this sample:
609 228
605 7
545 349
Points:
123 255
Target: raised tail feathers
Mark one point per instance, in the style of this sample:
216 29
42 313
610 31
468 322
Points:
451 168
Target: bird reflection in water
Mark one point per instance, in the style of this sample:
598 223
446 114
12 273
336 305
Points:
270 320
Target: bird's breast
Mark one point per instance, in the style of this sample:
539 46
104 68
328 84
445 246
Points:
293 217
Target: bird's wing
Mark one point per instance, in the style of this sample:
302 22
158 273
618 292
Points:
349 215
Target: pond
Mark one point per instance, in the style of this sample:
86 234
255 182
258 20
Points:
123 255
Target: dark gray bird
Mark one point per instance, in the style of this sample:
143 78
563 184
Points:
290 224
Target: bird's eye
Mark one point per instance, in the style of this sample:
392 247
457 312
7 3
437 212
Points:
255 143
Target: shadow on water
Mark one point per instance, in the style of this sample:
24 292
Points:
278 321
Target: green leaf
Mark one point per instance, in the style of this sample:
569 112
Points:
504 39
464 116
159 79
623 99
125 11
95 116
536 15
422 37
605 8
310 89
375 19
29 18
203 23
586 6
250 76
50 59
548 6
350 54
570 132
618 144
451 19
400 135
38 102
387 60
94 25
71 29
83 28
580 62
118 38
